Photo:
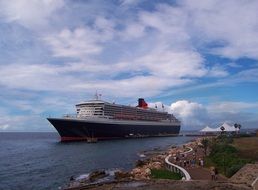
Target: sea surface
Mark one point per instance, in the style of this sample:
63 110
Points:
40 161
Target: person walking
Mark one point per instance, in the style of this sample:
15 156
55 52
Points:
212 173
216 173
201 163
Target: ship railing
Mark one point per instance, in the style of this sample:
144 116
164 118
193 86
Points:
70 115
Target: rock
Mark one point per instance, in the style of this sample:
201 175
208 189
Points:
148 171
97 175
120 175
140 163
156 165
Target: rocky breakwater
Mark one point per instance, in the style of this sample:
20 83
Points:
142 171
143 168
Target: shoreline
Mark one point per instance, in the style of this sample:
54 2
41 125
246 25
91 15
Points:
148 159
141 178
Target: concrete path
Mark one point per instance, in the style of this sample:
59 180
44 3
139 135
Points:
196 171
202 174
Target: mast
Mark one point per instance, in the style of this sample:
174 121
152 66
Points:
97 96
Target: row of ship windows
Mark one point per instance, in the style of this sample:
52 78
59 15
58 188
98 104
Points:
145 116
111 110
133 111
115 107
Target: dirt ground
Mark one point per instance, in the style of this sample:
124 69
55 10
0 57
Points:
248 147
171 185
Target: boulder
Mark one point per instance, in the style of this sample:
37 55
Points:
140 163
147 171
155 165
120 175
97 175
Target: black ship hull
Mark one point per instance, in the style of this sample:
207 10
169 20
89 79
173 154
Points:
78 129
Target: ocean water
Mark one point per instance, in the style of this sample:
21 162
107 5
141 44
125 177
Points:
40 161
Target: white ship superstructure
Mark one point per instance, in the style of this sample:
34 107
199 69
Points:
97 119
102 109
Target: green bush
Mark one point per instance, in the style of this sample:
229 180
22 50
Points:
165 174
233 169
223 148
226 158
225 139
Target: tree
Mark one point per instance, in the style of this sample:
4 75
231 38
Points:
205 143
236 126
239 126
222 129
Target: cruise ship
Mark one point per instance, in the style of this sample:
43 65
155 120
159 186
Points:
100 120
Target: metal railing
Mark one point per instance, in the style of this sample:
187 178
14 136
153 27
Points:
177 169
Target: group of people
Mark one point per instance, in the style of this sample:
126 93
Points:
193 159
188 160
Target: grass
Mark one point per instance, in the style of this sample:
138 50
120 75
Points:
247 147
229 154
165 174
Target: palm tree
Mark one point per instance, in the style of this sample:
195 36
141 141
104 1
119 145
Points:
222 128
236 126
239 127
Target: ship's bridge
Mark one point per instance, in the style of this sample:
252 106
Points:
91 108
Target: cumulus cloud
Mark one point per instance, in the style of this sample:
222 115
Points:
77 43
79 47
81 41
31 14
231 107
170 55
227 22
192 114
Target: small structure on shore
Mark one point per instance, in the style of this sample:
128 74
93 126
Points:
227 128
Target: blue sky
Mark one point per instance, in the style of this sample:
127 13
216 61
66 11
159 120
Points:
199 58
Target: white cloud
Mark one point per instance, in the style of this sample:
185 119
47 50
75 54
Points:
145 86
173 64
133 30
34 77
144 53
192 114
217 71
196 116
81 42
78 43
4 127
234 65
232 23
24 123
129 2
61 78
32 13
231 107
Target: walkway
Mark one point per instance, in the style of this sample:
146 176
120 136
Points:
190 162
202 174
